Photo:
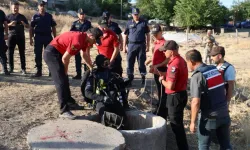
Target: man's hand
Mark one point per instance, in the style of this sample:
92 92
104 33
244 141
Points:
31 42
13 23
192 127
6 37
161 78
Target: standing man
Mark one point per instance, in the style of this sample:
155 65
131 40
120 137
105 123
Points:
209 42
3 37
175 84
226 69
42 23
110 47
208 104
81 25
57 56
137 34
17 22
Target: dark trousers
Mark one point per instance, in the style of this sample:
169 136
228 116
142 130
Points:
162 109
3 58
78 63
116 108
54 61
20 42
136 51
176 103
40 43
218 126
116 65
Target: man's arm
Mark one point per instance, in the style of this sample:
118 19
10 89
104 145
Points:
120 41
115 53
86 58
230 89
168 84
6 27
164 63
195 107
54 31
31 32
125 40
148 42
65 59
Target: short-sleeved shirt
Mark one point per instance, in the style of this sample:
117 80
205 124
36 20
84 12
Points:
72 42
18 29
114 27
82 27
158 56
136 31
229 74
177 72
2 20
43 24
109 42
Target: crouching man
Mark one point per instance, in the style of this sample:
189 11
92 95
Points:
107 89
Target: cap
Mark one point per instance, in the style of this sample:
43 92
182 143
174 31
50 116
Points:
97 33
156 28
169 45
103 22
42 3
135 11
100 59
106 14
217 50
80 11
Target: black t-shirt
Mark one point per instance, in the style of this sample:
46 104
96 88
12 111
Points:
19 28
2 19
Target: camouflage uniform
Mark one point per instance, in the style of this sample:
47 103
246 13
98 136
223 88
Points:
208 47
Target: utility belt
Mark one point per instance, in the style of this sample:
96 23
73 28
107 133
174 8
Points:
139 42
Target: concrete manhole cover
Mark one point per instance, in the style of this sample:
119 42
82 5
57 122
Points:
74 135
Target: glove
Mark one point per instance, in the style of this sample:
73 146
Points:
107 100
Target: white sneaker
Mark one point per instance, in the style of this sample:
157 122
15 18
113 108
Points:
68 115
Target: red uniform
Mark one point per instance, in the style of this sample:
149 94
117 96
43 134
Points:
72 42
109 42
177 72
158 56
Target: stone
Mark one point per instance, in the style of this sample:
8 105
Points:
247 103
74 135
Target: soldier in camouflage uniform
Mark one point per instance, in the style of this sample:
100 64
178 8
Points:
208 42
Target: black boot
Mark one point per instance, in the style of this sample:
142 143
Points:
38 74
77 77
5 72
142 80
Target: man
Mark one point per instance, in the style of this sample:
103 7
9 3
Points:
227 70
57 56
209 42
175 84
3 37
159 67
137 34
82 25
208 103
41 25
108 91
110 47
17 22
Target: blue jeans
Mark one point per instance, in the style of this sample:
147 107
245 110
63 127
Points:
218 126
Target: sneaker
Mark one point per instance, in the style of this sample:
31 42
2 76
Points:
38 74
77 77
23 71
67 115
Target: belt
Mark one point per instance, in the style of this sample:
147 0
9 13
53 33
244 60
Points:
140 42
178 92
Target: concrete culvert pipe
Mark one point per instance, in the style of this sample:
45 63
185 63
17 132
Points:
145 131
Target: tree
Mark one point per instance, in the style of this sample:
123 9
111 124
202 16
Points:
161 9
196 13
241 11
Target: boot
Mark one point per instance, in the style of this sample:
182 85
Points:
5 72
142 80
77 77
38 74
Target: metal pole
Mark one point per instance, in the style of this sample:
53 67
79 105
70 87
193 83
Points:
121 9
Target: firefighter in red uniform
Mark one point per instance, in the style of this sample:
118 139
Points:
175 84
57 56
110 46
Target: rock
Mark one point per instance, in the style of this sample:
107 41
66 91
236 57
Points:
240 97
75 135
247 103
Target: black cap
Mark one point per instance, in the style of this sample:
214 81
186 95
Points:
169 45
42 3
99 60
106 14
81 12
103 22
217 50
155 29
97 33
135 11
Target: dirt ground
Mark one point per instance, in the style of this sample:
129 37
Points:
27 102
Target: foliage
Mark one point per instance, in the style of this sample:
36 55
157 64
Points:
241 11
195 13
89 6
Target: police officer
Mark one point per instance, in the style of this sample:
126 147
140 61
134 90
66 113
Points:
41 25
137 34
3 37
57 56
175 83
227 70
17 22
159 67
208 103
106 89
209 42
110 46
82 25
